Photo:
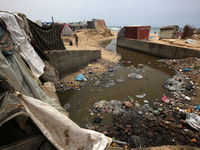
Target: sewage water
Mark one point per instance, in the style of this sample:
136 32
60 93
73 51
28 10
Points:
154 75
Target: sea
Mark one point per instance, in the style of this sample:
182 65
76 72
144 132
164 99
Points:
152 30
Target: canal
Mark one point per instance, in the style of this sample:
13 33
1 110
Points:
151 75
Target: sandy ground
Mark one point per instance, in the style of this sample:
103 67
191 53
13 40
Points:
176 42
90 39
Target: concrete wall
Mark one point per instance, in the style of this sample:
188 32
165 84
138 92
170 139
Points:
160 50
65 61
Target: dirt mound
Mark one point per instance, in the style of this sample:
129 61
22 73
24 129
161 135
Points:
99 32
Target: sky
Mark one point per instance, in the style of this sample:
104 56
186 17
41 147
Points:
155 13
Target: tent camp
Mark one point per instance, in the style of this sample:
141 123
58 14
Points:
96 24
66 30
29 118
168 32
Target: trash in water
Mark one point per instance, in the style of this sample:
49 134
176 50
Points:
120 80
140 96
108 107
139 111
97 120
135 76
67 107
165 99
186 69
140 65
91 113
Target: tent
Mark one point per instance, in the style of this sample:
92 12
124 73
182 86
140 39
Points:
134 32
168 32
66 30
96 24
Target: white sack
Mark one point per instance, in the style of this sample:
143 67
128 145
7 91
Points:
63 133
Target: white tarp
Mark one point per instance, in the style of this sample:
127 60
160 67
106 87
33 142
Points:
19 38
66 30
63 133
193 120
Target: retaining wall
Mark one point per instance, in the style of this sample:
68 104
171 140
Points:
65 61
156 49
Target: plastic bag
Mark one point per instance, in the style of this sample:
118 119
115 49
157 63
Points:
80 77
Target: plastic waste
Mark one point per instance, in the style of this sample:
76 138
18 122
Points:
140 96
193 120
80 77
97 120
111 70
198 107
139 111
120 80
135 76
156 112
67 107
190 41
165 99
186 69
187 98
91 113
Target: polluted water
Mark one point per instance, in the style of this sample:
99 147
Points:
137 77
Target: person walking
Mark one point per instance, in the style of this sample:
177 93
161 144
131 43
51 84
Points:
76 39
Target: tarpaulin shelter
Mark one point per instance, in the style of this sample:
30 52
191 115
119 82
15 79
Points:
96 24
46 38
168 32
66 30
76 25
21 40
134 32
29 119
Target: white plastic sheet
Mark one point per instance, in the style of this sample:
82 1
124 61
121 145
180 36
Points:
63 133
19 38
193 120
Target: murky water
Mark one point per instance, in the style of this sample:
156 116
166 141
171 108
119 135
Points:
154 75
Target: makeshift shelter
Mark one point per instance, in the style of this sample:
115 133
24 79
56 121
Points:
46 38
29 119
96 24
76 25
168 32
21 40
66 30
134 32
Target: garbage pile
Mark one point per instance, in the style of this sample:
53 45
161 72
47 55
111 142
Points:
171 121
185 84
144 126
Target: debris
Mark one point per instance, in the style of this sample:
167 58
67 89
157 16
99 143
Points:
80 77
140 96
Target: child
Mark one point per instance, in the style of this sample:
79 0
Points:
76 39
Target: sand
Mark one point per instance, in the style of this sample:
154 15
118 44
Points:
90 39
176 42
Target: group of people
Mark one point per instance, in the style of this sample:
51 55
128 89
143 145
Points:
76 40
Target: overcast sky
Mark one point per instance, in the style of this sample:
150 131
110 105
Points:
115 12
